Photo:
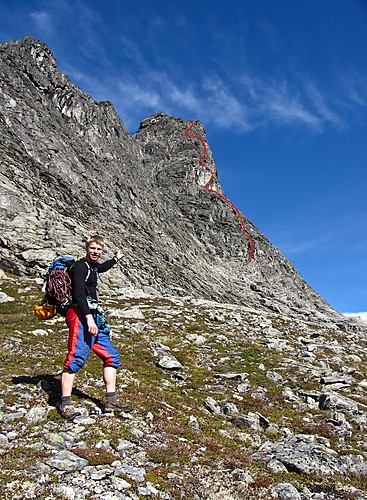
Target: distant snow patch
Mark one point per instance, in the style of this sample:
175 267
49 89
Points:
360 315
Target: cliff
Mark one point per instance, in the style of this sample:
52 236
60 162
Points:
245 383
69 168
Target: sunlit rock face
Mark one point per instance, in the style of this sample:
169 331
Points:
69 169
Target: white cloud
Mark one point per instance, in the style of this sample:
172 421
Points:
43 21
321 230
223 107
137 94
321 108
353 86
242 103
172 94
298 247
277 101
252 104
356 97
288 110
282 98
360 315
156 91
130 50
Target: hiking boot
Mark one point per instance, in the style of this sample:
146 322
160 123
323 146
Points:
117 408
68 412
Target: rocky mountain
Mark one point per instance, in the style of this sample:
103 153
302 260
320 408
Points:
245 383
69 168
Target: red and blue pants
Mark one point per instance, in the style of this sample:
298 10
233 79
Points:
81 342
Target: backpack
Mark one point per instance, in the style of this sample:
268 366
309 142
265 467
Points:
57 285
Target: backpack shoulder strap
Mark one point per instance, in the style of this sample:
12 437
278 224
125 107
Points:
89 271
88 274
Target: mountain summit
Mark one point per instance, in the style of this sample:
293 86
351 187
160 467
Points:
244 382
70 168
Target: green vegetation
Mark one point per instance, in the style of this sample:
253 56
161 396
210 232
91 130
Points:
32 354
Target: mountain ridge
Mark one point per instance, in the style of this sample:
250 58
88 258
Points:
244 382
69 167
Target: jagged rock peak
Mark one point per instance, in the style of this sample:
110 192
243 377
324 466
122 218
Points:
69 168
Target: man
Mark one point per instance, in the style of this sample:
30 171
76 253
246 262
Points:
89 330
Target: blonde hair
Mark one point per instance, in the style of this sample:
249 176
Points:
95 239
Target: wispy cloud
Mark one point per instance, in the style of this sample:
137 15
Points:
212 99
139 85
319 228
208 101
223 106
43 22
258 103
294 243
136 94
294 248
130 50
322 110
245 105
355 87
283 103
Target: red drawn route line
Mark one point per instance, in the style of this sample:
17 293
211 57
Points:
213 175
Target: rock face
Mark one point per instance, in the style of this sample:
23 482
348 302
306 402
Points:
245 384
69 169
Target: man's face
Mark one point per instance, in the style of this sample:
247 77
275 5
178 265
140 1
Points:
94 251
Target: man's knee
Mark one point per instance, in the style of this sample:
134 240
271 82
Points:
68 370
113 362
75 365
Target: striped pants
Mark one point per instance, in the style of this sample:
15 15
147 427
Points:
81 342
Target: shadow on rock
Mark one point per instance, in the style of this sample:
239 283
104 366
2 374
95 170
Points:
51 385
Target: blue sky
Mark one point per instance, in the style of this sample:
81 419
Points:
280 86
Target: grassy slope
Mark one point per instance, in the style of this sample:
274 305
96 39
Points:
177 458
